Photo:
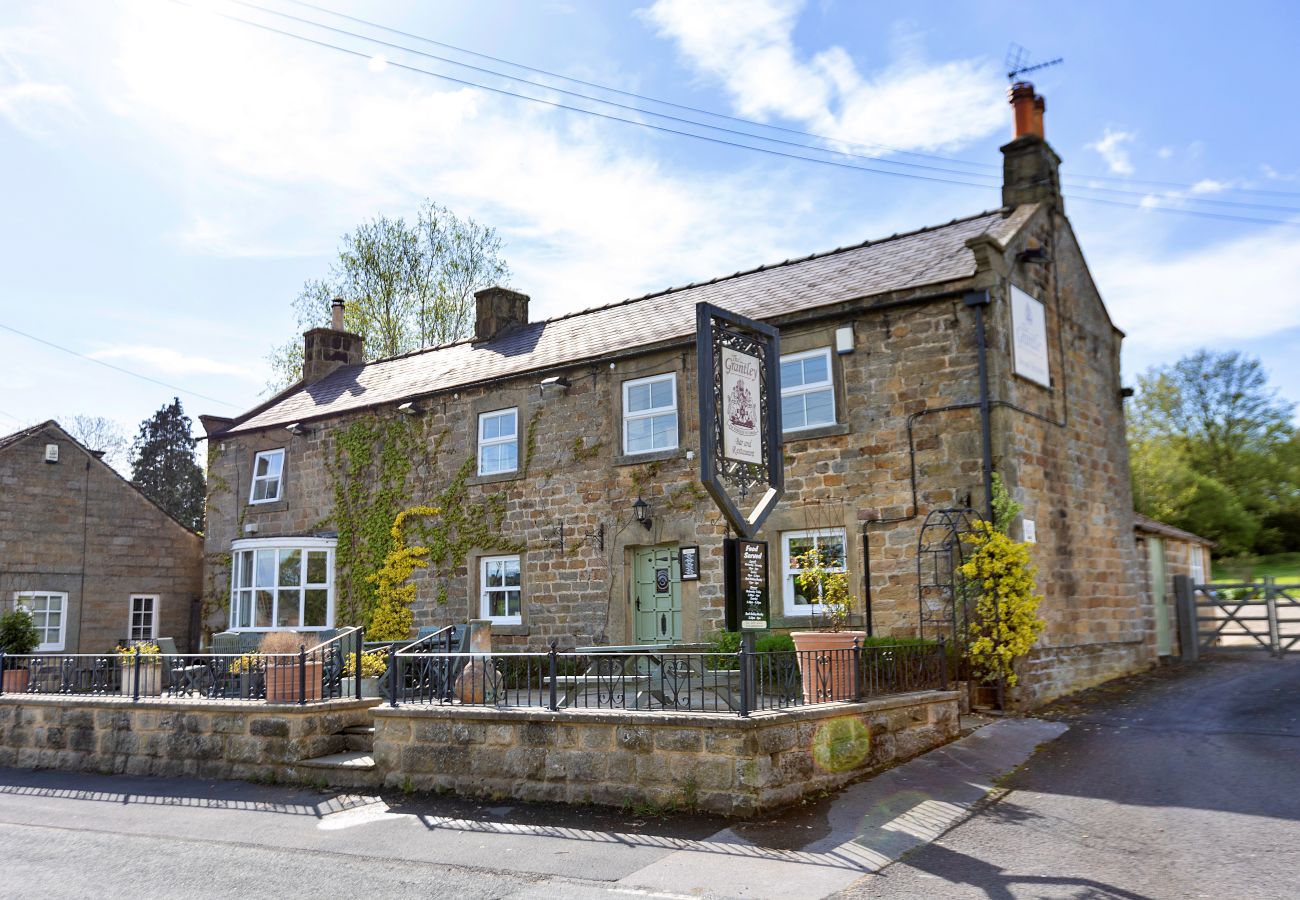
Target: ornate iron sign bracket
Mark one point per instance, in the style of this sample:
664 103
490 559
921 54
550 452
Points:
742 462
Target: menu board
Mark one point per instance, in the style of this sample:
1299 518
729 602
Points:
689 560
747 586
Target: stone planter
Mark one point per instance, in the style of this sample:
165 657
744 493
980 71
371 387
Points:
282 682
150 679
369 687
15 681
826 664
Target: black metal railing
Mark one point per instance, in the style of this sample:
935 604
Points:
655 679
310 675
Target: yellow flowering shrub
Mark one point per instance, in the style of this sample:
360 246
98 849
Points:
1005 623
144 648
392 618
372 665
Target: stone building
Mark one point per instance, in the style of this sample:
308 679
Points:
92 558
536 440
1164 552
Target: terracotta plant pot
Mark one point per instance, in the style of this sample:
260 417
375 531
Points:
282 682
826 664
15 681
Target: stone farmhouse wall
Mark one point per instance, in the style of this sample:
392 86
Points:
77 527
1060 450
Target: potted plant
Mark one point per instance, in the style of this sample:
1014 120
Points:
826 657
373 667
244 679
150 668
18 638
287 679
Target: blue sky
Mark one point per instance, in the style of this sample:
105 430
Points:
170 178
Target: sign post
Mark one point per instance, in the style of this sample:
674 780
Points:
742 462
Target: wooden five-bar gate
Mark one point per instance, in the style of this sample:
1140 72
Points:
1259 616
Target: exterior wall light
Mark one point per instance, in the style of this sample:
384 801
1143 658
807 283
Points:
409 408
297 428
642 510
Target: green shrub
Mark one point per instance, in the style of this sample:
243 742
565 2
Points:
17 633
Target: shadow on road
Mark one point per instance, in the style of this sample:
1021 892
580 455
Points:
996 882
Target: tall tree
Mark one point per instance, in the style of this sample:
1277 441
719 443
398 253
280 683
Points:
99 433
164 467
1211 447
407 285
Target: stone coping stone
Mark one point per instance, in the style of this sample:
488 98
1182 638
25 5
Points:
180 703
658 717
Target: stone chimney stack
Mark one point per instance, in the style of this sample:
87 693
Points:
498 309
327 349
1030 168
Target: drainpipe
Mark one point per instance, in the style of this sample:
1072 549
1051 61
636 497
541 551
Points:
978 300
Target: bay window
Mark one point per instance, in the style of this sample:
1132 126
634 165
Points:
282 584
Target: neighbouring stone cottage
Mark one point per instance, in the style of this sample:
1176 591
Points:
1164 552
536 440
90 557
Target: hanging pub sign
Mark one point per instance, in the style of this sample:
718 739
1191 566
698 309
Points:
688 560
742 465
747 588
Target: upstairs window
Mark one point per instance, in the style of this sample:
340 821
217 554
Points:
498 442
144 618
48 611
501 596
268 476
650 414
807 391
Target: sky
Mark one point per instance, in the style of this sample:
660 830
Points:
169 177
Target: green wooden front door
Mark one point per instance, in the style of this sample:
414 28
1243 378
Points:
1156 560
656 596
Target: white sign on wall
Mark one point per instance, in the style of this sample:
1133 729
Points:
1030 531
742 415
1029 337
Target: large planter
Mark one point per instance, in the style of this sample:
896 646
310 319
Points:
150 679
285 683
826 664
15 681
369 686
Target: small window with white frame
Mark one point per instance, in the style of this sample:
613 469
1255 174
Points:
498 442
650 414
1196 563
268 476
500 589
807 390
48 610
144 618
795 544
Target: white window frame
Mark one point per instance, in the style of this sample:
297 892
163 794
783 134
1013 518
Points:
46 646
800 390
275 545
1196 563
512 438
153 618
257 479
792 609
629 417
484 591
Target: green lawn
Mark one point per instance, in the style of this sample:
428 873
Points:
1284 567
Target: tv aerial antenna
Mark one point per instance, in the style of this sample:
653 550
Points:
1018 63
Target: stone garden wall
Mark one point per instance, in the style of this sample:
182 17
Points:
231 739
715 762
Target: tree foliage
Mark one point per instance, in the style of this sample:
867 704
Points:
1213 450
407 285
99 433
164 467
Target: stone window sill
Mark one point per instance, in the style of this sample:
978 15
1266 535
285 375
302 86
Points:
495 479
501 628
807 434
633 459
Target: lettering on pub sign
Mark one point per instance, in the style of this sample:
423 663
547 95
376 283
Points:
747 585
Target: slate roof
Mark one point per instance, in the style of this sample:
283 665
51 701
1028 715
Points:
930 256
1155 526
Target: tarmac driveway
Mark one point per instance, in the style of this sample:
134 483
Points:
1181 783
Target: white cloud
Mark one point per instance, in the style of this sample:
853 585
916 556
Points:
1210 186
1165 152
173 362
35 106
1111 148
748 47
1207 296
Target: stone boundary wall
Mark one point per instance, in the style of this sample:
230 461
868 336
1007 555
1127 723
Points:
1048 673
715 762
229 739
